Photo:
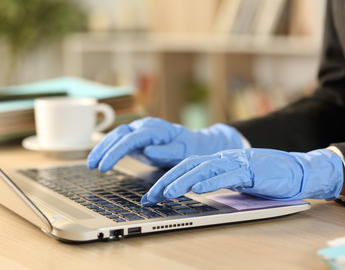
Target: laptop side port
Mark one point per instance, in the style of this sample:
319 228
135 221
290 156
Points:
100 236
116 234
134 230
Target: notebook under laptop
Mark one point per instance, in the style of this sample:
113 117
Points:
72 203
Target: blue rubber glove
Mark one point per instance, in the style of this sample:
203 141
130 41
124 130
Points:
266 173
162 143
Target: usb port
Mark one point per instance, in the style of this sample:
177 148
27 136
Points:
135 230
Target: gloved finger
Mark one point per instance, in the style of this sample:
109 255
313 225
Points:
171 153
203 171
162 129
235 180
135 140
112 138
138 155
155 194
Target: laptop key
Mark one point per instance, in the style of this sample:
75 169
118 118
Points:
198 204
74 197
122 191
204 208
171 204
116 218
103 202
169 212
128 204
92 197
105 213
136 199
93 207
97 190
111 196
150 214
135 207
140 191
179 207
146 212
111 207
191 202
104 193
120 210
188 211
117 199
131 217
94 200
183 198
96 209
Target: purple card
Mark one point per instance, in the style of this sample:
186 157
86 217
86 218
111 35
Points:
247 202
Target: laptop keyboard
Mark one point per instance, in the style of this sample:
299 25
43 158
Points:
114 194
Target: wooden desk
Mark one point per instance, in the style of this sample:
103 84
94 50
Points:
289 242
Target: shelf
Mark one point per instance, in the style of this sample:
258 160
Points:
141 42
225 55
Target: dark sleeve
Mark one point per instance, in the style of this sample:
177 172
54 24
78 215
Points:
313 122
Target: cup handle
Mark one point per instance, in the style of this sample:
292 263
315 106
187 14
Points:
109 116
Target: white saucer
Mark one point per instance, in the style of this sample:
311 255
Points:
77 151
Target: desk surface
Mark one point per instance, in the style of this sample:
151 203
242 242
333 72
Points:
289 242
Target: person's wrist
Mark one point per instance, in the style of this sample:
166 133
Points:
336 151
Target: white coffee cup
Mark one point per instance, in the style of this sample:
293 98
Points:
63 122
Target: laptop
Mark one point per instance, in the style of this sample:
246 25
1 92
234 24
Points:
73 204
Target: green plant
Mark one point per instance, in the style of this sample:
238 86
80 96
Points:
196 91
27 24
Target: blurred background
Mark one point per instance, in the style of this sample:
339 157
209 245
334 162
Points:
195 62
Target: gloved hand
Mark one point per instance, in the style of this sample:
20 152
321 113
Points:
163 143
265 173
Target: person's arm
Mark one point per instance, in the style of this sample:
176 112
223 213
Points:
266 173
339 149
313 122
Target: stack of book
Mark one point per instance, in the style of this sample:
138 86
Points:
236 17
250 16
17 102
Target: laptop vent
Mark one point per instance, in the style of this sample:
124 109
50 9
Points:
174 225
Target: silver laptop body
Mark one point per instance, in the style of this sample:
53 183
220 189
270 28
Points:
67 220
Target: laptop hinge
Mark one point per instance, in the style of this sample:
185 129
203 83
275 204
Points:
14 199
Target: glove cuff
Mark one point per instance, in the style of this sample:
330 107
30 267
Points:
322 176
231 138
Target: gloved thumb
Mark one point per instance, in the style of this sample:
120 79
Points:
166 153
